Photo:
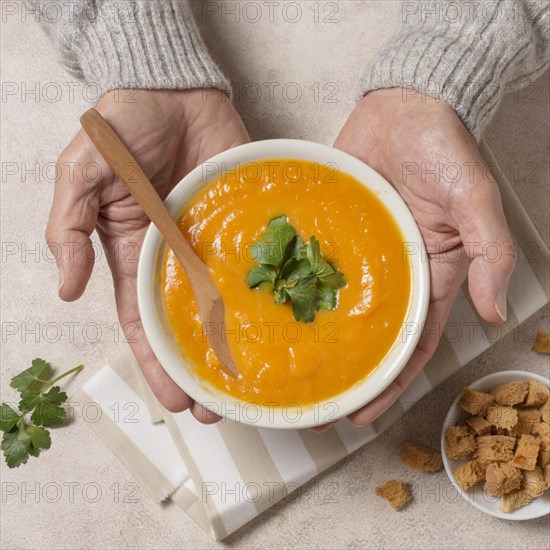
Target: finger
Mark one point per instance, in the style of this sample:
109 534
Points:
72 219
202 414
171 396
446 281
488 244
323 428
421 355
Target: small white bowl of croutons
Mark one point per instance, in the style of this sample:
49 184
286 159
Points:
495 445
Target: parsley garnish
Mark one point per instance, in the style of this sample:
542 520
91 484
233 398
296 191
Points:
40 397
295 271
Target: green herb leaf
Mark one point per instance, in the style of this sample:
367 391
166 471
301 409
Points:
26 441
33 377
297 248
277 238
8 418
295 271
46 406
303 300
40 437
319 267
15 446
326 299
261 274
281 296
333 280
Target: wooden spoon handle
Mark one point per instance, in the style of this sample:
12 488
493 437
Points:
128 170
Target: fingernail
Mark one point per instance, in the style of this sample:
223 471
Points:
61 279
500 304
322 429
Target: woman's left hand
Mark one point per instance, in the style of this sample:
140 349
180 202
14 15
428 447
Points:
422 148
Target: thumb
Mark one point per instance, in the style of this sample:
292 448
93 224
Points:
73 217
489 246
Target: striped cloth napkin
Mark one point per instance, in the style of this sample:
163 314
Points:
224 475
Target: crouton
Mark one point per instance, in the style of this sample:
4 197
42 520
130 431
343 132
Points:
479 425
510 394
546 475
460 442
545 411
542 343
527 418
543 459
502 417
533 482
495 447
420 457
395 492
501 431
514 432
514 500
469 474
537 395
501 478
526 453
475 402
542 429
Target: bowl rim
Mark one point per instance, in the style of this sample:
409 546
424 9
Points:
361 392
499 377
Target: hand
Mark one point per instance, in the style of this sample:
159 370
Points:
169 133
422 148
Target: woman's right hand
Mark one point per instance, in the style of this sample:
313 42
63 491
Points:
169 132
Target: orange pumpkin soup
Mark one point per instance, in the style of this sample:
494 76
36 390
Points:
280 360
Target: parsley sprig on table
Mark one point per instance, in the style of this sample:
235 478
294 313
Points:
41 399
295 271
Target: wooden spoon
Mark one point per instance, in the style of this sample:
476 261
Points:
128 170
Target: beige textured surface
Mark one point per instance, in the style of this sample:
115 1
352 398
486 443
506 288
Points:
339 509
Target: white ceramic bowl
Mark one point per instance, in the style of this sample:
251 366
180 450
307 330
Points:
475 495
158 330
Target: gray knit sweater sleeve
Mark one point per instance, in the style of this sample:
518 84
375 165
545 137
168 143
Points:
148 44
466 53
